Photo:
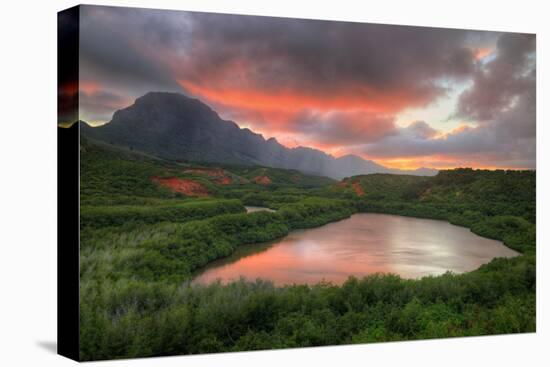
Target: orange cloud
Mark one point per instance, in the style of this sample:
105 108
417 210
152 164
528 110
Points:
355 97
483 52
279 113
89 86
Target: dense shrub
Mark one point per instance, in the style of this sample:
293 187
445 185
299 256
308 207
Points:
125 318
140 246
173 251
103 216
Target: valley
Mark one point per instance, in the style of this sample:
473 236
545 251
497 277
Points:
149 225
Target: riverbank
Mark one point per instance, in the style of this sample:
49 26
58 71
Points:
173 251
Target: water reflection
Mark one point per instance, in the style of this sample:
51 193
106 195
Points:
361 245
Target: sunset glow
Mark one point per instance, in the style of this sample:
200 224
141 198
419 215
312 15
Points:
404 97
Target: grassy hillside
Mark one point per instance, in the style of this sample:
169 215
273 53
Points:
112 176
147 225
487 192
494 204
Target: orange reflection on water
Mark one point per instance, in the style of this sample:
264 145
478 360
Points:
358 246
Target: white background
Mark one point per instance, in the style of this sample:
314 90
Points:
28 183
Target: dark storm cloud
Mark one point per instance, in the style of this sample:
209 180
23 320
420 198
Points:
332 83
141 46
138 50
323 57
117 49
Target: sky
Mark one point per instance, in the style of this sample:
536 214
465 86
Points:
405 97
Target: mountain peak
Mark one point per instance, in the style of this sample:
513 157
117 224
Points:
175 126
163 96
350 157
170 99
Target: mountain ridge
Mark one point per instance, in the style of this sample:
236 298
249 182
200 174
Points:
175 126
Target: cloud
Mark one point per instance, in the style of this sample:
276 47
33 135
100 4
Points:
339 85
498 143
506 141
97 105
501 102
322 60
496 85
419 130
371 65
117 50
122 53
338 128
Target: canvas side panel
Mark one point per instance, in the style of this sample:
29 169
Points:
68 184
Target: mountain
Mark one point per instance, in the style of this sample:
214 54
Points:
174 126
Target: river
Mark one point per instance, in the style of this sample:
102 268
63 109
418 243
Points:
252 209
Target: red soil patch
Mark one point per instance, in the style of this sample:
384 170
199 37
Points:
225 180
262 180
343 183
357 188
181 185
217 173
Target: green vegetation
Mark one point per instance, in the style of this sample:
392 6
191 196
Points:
494 204
104 216
172 251
116 176
151 319
141 244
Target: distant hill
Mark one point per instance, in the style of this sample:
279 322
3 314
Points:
118 175
486 192
174 126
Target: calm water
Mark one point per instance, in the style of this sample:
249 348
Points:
361 245
252 209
